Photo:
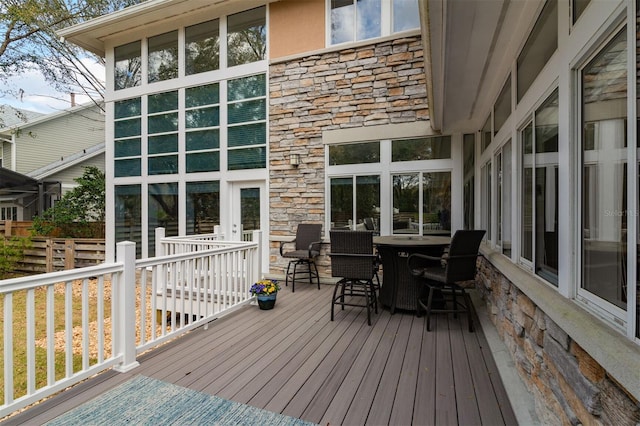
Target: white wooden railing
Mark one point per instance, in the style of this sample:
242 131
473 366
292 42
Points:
77 323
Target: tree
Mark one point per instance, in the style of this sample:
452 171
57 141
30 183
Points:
28 41
80 212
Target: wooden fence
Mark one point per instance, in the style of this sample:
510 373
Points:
46 254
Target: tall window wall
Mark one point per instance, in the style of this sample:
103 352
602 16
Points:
201 115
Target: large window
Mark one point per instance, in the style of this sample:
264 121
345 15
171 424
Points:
502 107
128 215
202 47
355 202
604 173
246 37
421 203
469 155
163 57
247 131
485 200
202 118
163 211
127 138
539 211
503 162
354 20
203 207
128 66
541 44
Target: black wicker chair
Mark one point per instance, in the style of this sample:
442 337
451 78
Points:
441 275
306 249
352 259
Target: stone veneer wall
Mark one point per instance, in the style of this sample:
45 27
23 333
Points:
568 385
371 85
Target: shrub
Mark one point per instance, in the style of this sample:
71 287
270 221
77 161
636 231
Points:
11 252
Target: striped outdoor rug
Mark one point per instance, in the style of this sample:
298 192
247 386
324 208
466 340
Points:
146 401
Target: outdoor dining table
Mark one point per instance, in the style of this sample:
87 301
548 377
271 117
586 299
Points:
399 290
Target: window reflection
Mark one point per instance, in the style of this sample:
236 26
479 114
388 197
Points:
359 194
246 37
406 15
128 66
202 47
604 173
203 207
163 57
163 211
434 215
128 215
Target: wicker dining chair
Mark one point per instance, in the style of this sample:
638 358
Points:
306 249
352 259
441 276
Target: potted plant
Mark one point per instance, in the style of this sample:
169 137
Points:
265 292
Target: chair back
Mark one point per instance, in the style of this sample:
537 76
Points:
308 233
463 252
352 254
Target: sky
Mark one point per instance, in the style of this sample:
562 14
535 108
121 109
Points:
39 96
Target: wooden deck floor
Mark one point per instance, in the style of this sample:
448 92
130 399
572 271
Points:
294 360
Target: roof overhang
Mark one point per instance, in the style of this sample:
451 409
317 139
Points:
11 181
91 35
470 47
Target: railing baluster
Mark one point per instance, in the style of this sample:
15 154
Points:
31 340
51 343
100 318
85 324
68 327
8 348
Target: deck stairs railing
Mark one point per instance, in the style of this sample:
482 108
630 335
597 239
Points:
60 328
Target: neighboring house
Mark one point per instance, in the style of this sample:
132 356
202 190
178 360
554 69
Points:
42 156
515 117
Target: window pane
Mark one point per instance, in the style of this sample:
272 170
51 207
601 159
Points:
343 17
242 112
341 202
163 165
202 47
163 143
247 37
128 108
578 6
202 95
368 15
406 15
469 154
247 87
203 207
546 189
368 199
526 248
355 153
163 123
127 128
203 117
130 167
436 202
505 185
128 215
485 134
604 174
541 44
250 134
502 108
163 211
128 69
485 198
167 101
127 148
248 158
203 162
163 57
204 139
405 203
421 149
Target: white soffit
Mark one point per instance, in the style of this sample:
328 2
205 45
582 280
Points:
91 35
473 46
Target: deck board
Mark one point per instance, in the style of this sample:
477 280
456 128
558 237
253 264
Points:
294 360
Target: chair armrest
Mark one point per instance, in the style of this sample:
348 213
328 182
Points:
372 256
314 246
282 243
418 260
